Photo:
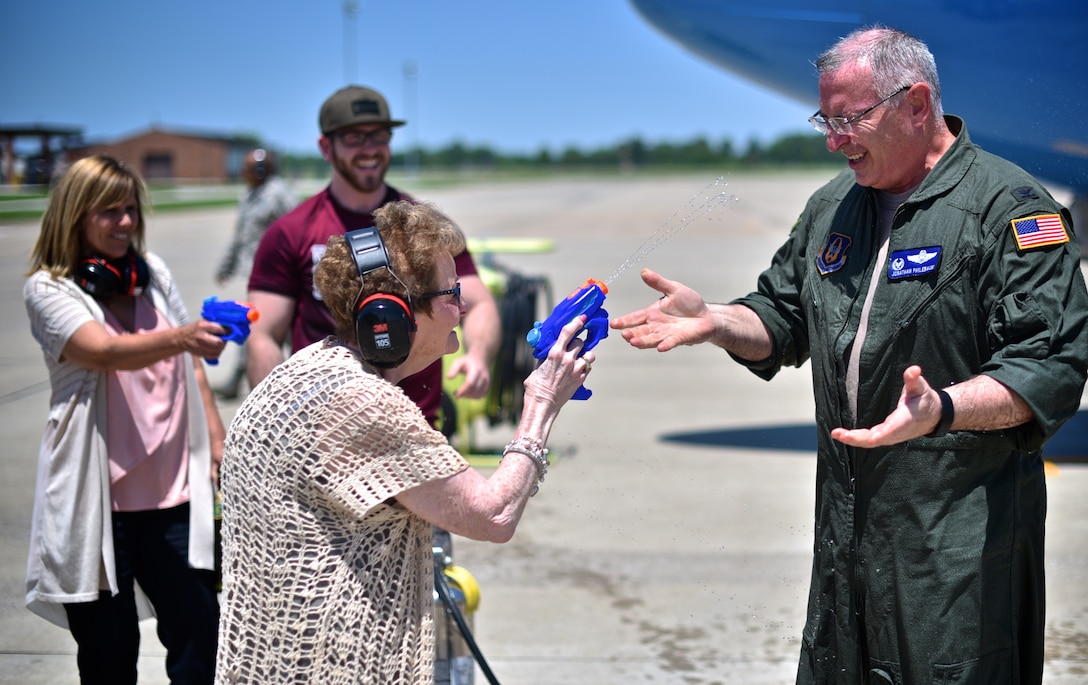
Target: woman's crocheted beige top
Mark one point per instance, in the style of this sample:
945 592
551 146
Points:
326 579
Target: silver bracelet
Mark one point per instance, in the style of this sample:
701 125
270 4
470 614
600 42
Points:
537 453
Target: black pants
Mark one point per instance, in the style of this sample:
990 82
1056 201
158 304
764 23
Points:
151 548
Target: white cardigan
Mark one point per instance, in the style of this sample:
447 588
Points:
71 539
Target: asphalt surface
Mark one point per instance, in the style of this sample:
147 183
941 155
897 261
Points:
671 541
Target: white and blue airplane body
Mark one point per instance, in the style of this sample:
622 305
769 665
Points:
1015 70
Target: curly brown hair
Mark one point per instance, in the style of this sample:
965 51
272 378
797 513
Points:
415 234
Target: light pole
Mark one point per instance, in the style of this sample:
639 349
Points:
411 160
350 10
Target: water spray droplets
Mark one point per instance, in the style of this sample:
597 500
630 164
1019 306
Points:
706 201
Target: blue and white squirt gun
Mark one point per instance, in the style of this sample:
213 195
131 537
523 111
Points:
586 299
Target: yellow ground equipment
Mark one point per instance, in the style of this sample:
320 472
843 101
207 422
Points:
521 300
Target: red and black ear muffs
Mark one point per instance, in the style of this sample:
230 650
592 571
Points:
384 323
103 279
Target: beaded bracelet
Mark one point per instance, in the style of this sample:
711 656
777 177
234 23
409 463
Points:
536 451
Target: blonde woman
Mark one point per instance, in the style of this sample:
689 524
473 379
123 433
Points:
123 504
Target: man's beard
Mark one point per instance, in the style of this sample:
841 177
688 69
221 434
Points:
370 181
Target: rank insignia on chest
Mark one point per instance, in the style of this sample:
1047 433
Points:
1039 230
832 256
913 263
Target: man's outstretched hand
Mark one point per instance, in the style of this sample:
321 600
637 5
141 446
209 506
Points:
678 317
917 414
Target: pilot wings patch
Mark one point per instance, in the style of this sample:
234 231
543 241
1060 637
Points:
1039 231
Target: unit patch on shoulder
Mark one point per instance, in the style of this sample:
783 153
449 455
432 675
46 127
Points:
832 256
913 263
1039 231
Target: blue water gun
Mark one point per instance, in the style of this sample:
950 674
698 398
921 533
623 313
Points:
233 315
586 299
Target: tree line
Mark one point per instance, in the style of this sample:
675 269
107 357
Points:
794 149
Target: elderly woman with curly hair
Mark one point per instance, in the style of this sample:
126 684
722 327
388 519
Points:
332 478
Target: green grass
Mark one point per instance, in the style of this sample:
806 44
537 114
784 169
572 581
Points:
33 215
29 206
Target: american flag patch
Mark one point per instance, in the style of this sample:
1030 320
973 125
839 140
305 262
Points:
1040 230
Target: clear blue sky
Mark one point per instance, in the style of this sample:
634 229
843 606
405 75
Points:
514 75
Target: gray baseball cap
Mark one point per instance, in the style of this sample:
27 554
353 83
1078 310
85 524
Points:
354 105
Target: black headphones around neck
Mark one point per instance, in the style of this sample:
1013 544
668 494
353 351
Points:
103 279
384 323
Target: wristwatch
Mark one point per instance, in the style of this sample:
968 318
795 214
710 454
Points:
948 414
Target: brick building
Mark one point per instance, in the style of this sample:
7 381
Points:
160 154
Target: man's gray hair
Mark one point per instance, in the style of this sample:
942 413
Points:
896 59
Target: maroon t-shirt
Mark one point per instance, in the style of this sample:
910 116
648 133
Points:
284 265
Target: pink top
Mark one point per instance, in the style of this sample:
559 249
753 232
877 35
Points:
147 430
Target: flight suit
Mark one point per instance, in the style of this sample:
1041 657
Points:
928 555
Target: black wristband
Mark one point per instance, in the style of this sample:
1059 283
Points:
948 413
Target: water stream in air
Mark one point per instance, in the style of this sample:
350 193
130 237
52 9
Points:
706 201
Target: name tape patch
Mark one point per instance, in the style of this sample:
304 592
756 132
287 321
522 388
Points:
912 263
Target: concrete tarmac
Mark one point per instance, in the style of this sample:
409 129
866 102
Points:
672 539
